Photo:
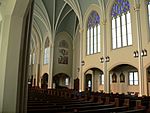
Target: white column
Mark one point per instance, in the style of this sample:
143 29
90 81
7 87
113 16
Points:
139 41
38 54
41 65
50 78
95 81
106 73
81 74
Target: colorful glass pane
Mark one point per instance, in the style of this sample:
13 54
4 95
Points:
119 7
93 19
148 2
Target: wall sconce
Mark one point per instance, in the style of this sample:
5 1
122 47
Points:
107 59
82 63
101 59
144 52
135 53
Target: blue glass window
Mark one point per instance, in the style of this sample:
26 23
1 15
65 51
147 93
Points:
148 7
93 33
121 24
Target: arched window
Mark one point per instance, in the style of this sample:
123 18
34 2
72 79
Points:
33 58
93 33
89 83
46 51
148 7
121 24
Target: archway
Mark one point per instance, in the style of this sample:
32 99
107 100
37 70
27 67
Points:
124 79
61 80
93 79
88 82
44 81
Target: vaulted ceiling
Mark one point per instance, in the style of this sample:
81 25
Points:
60 15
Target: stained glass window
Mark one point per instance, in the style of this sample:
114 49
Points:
121 24
93 33
148 7
46 55
46 51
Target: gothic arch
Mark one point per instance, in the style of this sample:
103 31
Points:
91 8
120 63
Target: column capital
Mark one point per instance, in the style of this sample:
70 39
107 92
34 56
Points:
137 7
103 22
81 30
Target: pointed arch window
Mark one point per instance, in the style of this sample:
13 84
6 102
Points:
46 52
89 83
93 34
121 24
33 58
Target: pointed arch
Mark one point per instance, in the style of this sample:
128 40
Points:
92 30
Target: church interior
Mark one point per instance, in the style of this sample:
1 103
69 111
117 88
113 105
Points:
67 56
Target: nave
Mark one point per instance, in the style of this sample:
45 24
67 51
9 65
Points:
103 44
72 101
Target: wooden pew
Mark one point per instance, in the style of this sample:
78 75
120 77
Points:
134 111
105 110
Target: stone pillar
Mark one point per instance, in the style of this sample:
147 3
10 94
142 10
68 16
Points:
81 74
41 65
95 81
11 74
50 64
106 73
139 41
38 65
